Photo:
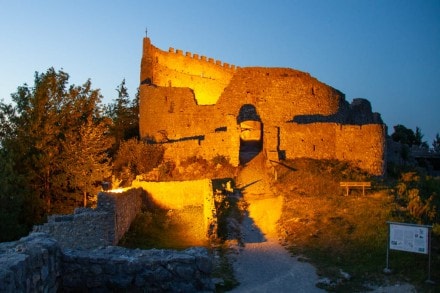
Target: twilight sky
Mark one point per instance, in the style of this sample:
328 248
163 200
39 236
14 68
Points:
386 51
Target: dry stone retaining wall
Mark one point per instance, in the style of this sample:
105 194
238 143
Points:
123 207
37 263
89 228
31 264
73 253
116 268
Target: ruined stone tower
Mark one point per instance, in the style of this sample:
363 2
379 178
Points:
198 106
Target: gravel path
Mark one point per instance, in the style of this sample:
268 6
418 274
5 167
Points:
263 265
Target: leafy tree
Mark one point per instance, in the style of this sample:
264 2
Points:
419 139
135 157
418 193
6 127
403 135
12 200
436 143
85 158
49 123
124 115
36 121
134 118
408 136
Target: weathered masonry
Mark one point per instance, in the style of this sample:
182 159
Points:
77 253
198 106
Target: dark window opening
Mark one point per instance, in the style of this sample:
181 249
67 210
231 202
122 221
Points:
221 129
251 133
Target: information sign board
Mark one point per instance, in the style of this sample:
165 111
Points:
411 238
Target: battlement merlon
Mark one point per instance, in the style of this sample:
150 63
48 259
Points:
196 56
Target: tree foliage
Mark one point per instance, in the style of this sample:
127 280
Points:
85 156
436 143
419 139
136 157
419 194
55 139
12 201
403 135
408 136
123 113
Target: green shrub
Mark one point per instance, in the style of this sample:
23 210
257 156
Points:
136 157
166 170
220 160
418 195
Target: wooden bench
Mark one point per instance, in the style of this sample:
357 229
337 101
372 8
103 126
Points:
363 185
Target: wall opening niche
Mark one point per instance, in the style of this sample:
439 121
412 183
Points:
251 133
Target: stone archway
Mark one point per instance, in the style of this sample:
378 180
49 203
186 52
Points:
251 133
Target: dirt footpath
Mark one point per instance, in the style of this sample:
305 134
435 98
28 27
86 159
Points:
263 265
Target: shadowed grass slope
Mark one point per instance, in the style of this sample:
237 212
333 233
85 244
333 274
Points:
340 233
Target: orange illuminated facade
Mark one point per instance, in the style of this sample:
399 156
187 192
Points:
198 106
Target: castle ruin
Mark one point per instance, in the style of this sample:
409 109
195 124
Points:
198 106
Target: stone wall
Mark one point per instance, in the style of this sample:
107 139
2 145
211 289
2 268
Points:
31 264
182 194
362 145
205 76
37 263
285 101
123 207
89 228
116 268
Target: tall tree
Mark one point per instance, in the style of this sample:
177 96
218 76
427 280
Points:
12 199
85 158
49 122
38 125
403 135
436 143
418 141
124 115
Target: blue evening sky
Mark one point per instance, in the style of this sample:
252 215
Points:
386 51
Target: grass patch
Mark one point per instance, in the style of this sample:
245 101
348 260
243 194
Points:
344 233
166 229
230 210
223 270
160 228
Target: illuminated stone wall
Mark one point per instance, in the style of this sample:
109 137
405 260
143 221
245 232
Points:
123 208
181 194
362 145
300 115
205 76
89 228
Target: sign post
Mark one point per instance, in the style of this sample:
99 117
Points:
410 238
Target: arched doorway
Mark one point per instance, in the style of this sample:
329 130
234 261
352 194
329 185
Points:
251 133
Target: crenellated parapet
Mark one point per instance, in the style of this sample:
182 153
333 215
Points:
203 58
207 77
